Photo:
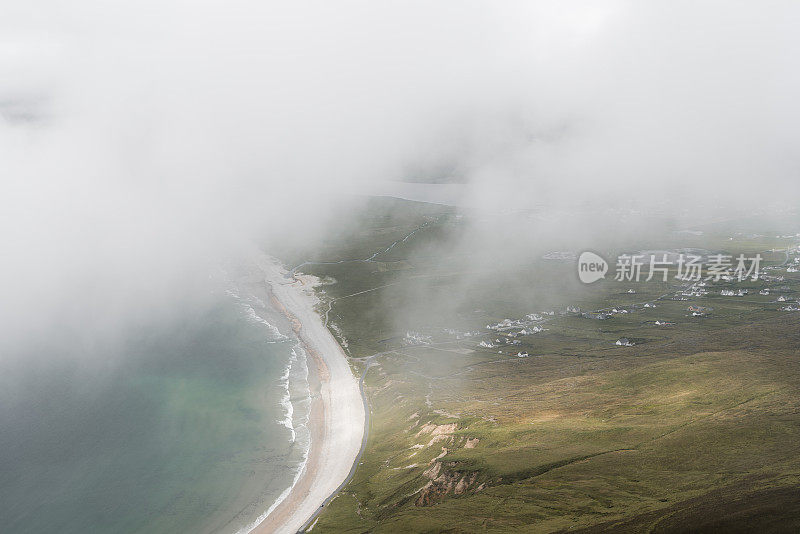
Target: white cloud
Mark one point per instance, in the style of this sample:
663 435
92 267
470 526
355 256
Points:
171 133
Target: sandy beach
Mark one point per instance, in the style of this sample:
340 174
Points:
336 422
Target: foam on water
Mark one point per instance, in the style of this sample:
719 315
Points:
286 400
248 304
297 393
275 334
155 424
295 397
295 400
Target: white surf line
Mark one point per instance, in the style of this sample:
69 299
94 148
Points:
315 517
336 452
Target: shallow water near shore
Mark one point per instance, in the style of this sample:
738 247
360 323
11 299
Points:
197 427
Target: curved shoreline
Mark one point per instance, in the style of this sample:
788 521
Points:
337 421
311 520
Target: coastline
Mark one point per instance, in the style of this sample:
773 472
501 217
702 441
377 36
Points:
336 419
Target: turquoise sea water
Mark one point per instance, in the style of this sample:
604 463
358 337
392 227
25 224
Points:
182 427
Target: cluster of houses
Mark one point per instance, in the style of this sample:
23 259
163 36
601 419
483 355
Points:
526 327
792 268
460 335
528 331
506 324
595 315
732 293
512 328
699 311
416 338
498 343
605 314
697 289
509 329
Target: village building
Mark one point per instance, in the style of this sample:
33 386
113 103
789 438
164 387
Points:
593 315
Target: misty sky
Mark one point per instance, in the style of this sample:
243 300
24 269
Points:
143 141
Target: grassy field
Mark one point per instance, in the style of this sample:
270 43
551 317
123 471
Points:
695 427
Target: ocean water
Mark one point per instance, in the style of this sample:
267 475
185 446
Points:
196 424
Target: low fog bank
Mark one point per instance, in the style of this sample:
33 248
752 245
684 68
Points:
142 145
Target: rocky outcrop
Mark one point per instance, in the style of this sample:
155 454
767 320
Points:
443 477
437 430
444 481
